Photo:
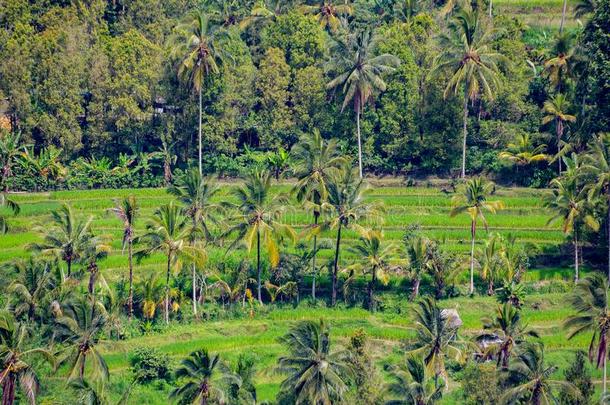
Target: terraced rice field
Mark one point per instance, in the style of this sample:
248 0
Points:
540 14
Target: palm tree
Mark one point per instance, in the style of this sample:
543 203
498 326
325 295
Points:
257 222
197 194
571 206
522 152
7 202
150 293
490 258
328 14
67 237
315 163
556 109
533 377
34 282
468 53
559 68
411 385
359 74
11 150
374 259
127 211
419 260
266 11
95 251
168 231
473 200
590 301
346 197
435 338
203 379
79 328
314 374
14 366
197 45
506 328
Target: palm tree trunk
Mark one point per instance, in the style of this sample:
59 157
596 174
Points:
333 300
69 262
258 266
371 290
608 241
490 8
576 264
194 290
416 284
8 390
130 299
604 382
563 15
313 259
559 134
169 261
490 286
473 230
465 133
200 113
359 139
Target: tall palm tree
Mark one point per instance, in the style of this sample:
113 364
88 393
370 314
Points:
327 13
533 377
14 357
435 338
168 231
359 74
559 68
411 385
150 296
127 211
468 53
203 379
314 374
490 258
67 236
79 328
346 197
590 301
258 220
556 110
34 282
374 259
197 45
315 162
197 194
473 200
522 151
571 206
418 254
507 328
597 164
11 150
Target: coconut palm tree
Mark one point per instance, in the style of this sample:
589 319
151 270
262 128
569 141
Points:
11 150
150 296
590 301
314 374
411 385
197 45
327 13
473 200
79 328
66 237
92 254
34 282
359 73
315 162
169 232
571 205
266 11
533 377
556 110
14 356
346 197
127 211
468 54
491 259
522 151
203 379
258 220
374 259
197 194
559 68
507 329
418 254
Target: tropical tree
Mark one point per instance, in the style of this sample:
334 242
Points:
67 237
584 7
411 385
315 163
278 162
491 260
418 254
127 211
258 220
556 110
14 360
346 197
327 13
559 68
468 53
314 374
203 379
590 301
522 152
196 44
95 251
507 329
473 200
150 296
374 259
34 282
11 150
7 202
79 329
533 378
359 74
266 11
168 231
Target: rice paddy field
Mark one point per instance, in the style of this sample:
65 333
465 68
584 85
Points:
537 14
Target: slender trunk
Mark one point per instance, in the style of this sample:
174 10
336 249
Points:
359 139
608 241
194 290
490 8
576 262
559 134
258 266
169 264
473 230
130 299
465 133
336 267
92 276
371 290
490 286
563 15
316 215
416 284
605 374
200 113
8 390
69 262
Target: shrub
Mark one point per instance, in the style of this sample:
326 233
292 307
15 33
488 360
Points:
148 364
480 384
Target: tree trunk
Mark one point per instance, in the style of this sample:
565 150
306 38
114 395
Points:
490 286
559 135
608 241
604 382
465 133
169 264
316 215
194 290
258 266
473 230
69 262
333 300
576 261
490 8
359 139
200 113
371 291
563 15
416 284
8 390
130 299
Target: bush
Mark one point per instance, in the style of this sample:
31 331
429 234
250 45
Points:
480 384
148 364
